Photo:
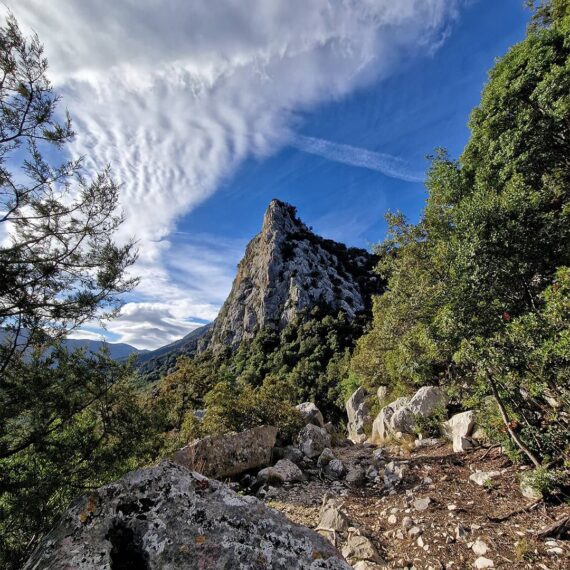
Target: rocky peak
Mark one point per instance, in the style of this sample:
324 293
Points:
286 270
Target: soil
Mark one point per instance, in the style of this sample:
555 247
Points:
455 501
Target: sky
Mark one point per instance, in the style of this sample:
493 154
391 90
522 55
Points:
206 110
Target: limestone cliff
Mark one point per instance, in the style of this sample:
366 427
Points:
287 269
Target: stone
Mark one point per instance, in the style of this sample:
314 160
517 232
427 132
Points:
229 455
482 477
355 477
414 532
426 401
381 427
311 414
312 440
382 394
426 442
289 452
332 517
378 456
335 469
479 547
367 565
483 562
170 517
461 532
358 548
284 471
459 429
325 457
394 473
392 519
422 504
407 523
357 410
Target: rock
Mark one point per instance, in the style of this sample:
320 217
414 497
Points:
459 429
331 429
461 532
394 473
313 440
399 416
392 519
335 469
382 394
170 517
378 456
427 442
481 477
229 455
199 414
367 565
311 414
325 457
422 504
357 411
483 562
355 477
332 517
526 487
414 532
284 471
479 547
407 523
359 548
289 452
426 401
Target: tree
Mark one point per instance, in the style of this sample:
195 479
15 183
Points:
68 421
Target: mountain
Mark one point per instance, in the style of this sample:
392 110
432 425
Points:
117 350
286 270
152 363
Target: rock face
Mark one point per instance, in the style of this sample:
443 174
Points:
399 416
286 269
311 414
231 454
357 411
170 517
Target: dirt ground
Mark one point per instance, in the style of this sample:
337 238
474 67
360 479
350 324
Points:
461 514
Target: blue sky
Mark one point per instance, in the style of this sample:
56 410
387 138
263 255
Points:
208 112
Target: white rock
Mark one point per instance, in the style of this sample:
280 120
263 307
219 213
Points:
422 504
481 477
483 562
357 411
459 429
392 519
479 547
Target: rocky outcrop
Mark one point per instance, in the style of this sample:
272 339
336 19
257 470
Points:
231 454
288 269
170 517
357 410
399 417
311 414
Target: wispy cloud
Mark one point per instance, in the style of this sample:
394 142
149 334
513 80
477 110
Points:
354 156
176 95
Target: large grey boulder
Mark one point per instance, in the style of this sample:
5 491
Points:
168 517
284 471
311 414
229 455
382 426
459 429
399 416
312 440
357 411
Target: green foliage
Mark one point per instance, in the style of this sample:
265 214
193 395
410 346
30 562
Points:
477 298
430 426
548 482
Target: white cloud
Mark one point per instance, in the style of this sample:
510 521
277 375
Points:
175 95
385 163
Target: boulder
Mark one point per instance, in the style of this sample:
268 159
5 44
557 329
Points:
399 416
359 548
170 517
382 426
459 429
332 517
357 411
229 455
335 469
289 452
313 440
356 477
311 414
284 471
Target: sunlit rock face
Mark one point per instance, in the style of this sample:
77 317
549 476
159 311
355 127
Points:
286 270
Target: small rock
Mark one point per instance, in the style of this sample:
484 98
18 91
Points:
420 542
422 504
461 532
407 523
311 414
481 477
392 519
332 517
355 477
414 531
555 550
479 548
483 562
359 548
284 471
335 469
313 440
